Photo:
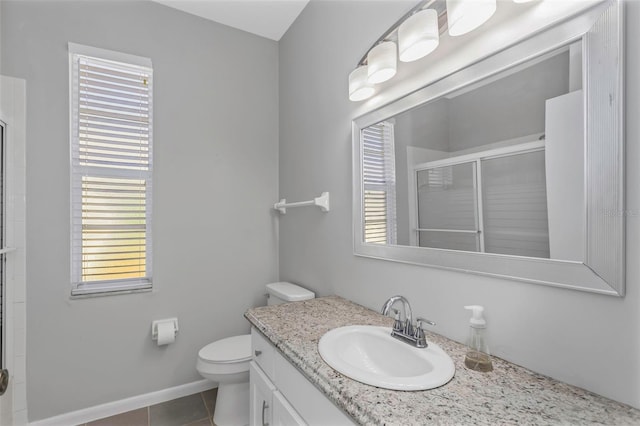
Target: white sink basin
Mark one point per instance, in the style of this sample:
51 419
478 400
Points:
370 355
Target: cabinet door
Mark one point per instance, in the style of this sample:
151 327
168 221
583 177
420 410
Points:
261 398
283 412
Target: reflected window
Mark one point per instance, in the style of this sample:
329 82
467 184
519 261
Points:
379 184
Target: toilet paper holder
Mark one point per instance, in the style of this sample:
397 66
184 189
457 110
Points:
156 323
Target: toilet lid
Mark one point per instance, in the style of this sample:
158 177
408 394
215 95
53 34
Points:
231 349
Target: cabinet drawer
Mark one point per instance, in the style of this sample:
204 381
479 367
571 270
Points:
262 352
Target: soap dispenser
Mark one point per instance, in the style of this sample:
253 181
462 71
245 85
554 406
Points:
477 357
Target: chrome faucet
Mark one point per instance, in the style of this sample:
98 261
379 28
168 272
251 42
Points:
404 329
407 324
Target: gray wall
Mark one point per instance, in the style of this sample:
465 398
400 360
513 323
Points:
508 108
216 159
589 340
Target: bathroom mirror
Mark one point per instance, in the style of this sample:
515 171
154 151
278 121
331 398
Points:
511 167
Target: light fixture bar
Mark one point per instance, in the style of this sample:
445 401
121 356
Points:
392 33
415 35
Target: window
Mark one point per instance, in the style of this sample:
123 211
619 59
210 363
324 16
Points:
379 184
111 170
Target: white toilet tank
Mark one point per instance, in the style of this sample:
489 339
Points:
283 291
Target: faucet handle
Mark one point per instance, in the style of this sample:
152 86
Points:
397 324
420 320
418 334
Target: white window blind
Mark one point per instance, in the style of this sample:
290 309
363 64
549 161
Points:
111 161
378 165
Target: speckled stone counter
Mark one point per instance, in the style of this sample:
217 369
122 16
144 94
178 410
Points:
508 395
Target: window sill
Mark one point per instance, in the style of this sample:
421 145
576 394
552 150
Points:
88 291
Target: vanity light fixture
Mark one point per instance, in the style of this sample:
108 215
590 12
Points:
382 62
464 16
418 35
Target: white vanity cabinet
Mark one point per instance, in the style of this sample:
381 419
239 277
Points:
281 395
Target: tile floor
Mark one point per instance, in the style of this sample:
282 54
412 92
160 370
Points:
192 410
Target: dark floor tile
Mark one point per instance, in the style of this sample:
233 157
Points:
209 397
181 411
139 417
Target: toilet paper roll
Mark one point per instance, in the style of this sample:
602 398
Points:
166 333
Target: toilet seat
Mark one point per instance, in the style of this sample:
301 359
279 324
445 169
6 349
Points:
235 349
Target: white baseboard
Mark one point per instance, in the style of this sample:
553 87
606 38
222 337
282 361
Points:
122 406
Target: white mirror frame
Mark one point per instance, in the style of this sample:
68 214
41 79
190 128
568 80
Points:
601 30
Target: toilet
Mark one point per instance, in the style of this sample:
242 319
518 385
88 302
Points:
226 361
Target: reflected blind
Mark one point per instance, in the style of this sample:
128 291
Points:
111 175
379 194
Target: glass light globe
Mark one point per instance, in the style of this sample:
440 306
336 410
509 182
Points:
467 15
359 87
382 62
418 35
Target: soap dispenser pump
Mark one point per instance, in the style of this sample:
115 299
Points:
477 357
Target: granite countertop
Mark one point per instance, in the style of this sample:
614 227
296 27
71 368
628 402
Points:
508 395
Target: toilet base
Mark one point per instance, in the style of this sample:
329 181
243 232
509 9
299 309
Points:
232 404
